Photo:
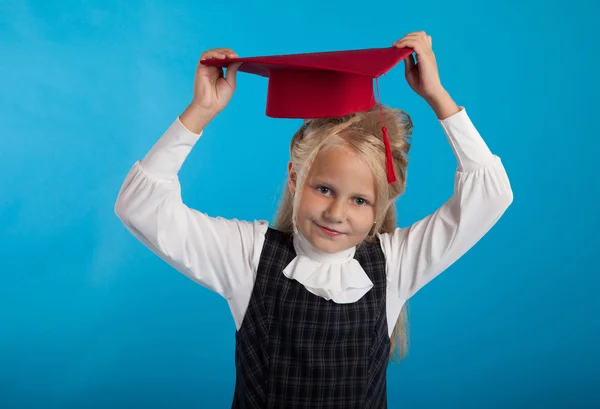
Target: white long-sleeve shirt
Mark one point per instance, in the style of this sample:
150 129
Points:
223 254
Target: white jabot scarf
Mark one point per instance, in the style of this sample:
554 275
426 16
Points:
336 276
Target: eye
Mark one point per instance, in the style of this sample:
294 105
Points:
323 190
360 201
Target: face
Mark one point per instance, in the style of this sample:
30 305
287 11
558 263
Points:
337 207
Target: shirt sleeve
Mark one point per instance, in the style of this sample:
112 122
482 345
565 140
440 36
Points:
417 254
220 254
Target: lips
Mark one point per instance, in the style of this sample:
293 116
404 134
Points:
329 232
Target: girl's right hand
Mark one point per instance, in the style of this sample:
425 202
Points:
212 90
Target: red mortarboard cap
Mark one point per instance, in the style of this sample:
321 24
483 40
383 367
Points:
319 85
323 84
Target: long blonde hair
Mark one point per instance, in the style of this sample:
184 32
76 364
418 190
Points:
362 132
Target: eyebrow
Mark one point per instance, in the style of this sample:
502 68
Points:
370 198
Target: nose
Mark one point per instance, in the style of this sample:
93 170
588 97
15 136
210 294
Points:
336 211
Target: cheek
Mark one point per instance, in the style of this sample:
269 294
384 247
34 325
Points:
363 220
310 204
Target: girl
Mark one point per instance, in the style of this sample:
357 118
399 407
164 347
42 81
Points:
318 298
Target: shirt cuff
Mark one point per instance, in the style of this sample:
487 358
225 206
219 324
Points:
470 149
166 157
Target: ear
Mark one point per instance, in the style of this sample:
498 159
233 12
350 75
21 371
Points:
292 177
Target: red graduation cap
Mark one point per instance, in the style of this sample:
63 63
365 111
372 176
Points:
323 84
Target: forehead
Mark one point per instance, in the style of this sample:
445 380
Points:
343 168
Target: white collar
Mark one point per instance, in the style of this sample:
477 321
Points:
333 276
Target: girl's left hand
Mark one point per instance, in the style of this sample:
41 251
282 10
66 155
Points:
422 76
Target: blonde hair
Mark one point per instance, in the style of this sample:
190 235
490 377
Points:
362 132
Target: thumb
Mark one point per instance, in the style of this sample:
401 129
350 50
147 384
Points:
231 73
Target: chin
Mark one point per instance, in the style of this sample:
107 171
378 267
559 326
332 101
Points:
329 245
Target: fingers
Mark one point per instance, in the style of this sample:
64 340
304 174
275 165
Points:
419 41
417 34
218 53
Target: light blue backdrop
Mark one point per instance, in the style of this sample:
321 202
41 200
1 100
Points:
89 318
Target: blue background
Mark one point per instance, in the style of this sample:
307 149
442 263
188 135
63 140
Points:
91 318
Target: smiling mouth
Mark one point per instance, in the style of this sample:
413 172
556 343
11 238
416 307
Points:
329 232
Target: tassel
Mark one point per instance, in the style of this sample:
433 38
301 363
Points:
391 174
389 159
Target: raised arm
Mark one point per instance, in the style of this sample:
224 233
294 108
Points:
418 253
215 252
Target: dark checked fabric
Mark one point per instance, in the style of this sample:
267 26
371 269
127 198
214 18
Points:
297 350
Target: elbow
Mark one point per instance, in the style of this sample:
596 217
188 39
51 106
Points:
123 202
121 210
500 193
140 198
506 199
123 206
503 200
507 196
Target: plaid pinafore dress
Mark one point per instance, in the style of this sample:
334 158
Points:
297 350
